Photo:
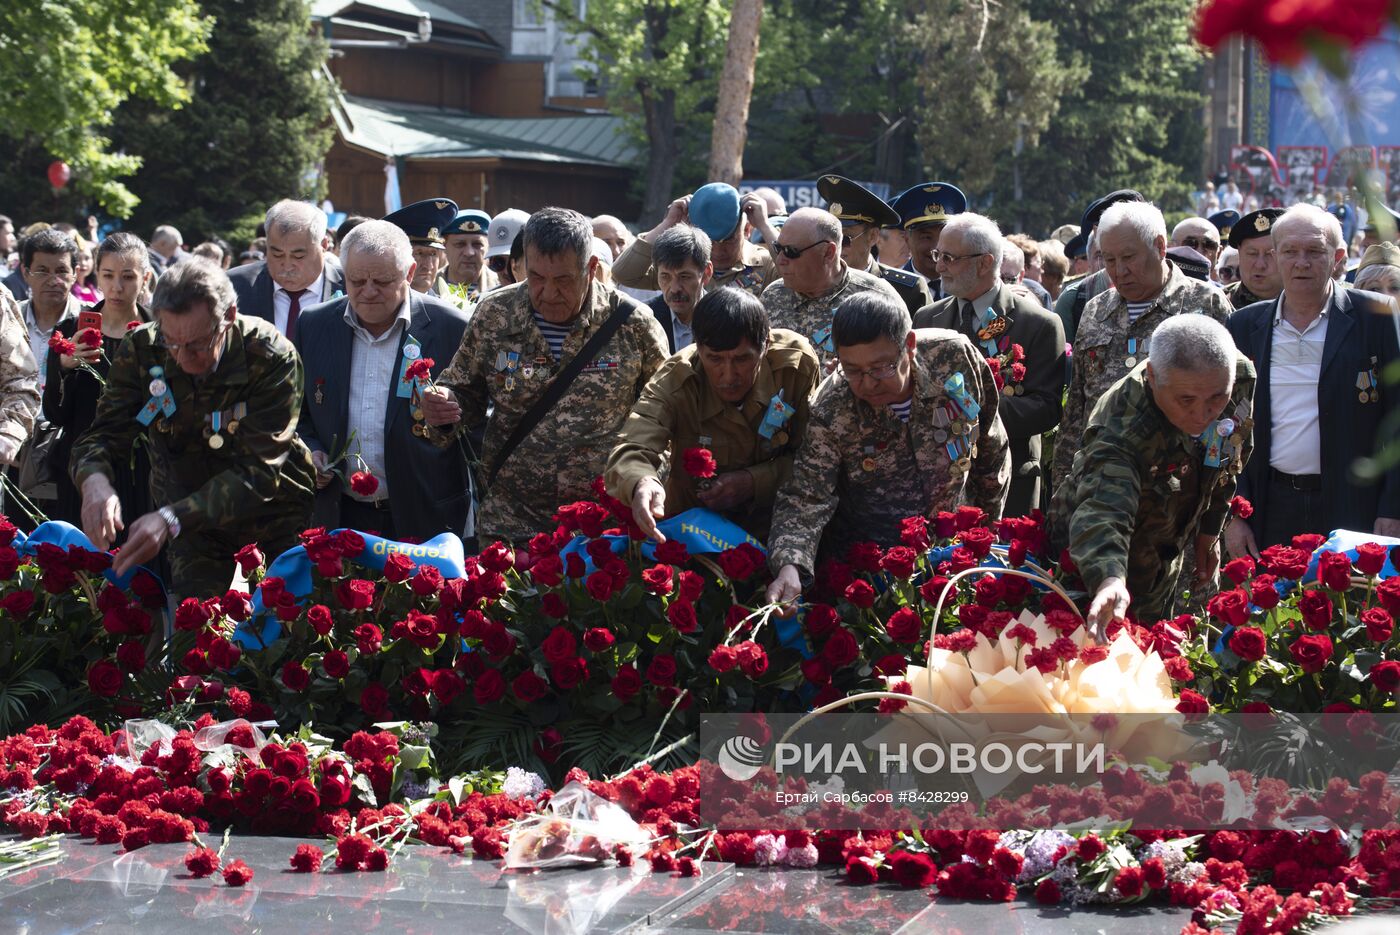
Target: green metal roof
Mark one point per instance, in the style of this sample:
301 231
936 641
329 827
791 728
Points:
413 131
410 8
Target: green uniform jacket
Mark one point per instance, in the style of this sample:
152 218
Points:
679 410
634 269
863 470
505 363
1140 491
261 475
811 316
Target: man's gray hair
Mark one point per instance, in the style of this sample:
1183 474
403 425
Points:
980 233
381 239
293 217
166 233
1193 343
190 282
1314 217
679 245
554 232
1013 256
1144 218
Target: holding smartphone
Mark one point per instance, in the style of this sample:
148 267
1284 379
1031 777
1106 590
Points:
89 318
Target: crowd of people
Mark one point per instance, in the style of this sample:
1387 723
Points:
815 377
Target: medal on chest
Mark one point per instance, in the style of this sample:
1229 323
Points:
962 411
821 338
774 418
407 386
226 420
161 402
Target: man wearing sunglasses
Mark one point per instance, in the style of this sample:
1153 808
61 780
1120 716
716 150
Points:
815 280
1259 279
727 220
1199 235
862 215
216 396
908 425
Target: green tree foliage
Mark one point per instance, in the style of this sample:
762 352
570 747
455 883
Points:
255 132
66 65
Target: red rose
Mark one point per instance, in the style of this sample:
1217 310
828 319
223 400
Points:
529 687
131 655
1334 570
682 616
1379 624
600 586
1239 570
690 586
1286 561
336 664
236 605
658 579
662 671
1386 676
559 645
569 673
900 561
820 620
840 649
1249 643
397 567
1312 651
249 559
904 625
295 676
19 603
490 686
355 594
104 678
1316 608
913 532
626 683
374 699
368 639
1309 542
1389 593
447 685
698 462
192 615
1370 558
598 639
1229 607
861 594
320 619
427 581
978 541
1192 703
741 562
672 553
1262 592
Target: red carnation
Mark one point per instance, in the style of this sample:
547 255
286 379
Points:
912 870
723 658
1241 507
202 862
364 483
58 344
420 369
238 874
699 462
89 338
1129 881
307 859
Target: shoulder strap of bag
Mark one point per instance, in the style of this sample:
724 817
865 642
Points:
559 386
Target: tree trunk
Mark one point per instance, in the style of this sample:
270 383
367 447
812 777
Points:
735 89
659 110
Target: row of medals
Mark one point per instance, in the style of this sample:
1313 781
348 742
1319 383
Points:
995 329
213 439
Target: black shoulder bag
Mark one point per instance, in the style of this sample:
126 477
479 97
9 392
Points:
559 386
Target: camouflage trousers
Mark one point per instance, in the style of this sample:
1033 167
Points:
201 562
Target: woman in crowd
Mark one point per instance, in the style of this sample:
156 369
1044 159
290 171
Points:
84 285
75 381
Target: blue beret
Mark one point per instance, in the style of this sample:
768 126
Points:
470 221
424 221
1224 221
714 208
929 203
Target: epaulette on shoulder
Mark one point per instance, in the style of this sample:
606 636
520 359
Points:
899 277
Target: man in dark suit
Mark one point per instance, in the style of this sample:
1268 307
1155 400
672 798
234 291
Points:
1320 350
681 256
296 274
359 402
999 319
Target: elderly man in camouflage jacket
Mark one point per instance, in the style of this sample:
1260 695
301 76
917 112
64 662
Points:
908 425
1114 334
216 395
520 338
19 381
815 280
1162 453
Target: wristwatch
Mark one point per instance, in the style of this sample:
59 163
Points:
172 521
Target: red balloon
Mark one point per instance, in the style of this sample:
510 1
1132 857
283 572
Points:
59 173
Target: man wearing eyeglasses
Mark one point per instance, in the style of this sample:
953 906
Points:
727 220
907 425
862 215
1259 278
216 396
815 280
923 209
1014 330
